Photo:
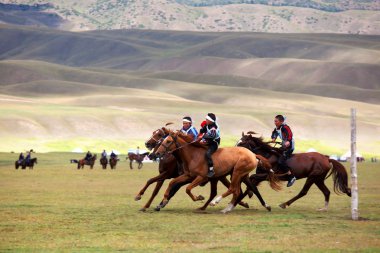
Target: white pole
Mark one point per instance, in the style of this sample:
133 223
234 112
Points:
354 175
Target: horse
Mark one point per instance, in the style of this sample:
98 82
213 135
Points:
113 162
169 168
313 166
83 162
138 158
104 162
237 161
24 164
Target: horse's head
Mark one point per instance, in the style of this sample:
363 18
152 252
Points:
35 159
156 138
169 144
248 141
94 157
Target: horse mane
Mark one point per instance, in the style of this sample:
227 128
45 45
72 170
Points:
188 139
259 142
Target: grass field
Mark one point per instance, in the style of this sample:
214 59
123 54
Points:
57 208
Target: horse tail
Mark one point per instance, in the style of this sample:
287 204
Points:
340 178
274 182
74 161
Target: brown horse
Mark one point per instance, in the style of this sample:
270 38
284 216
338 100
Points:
237 161
83 162
104 162
138 158
24 164
169 168
313 166
113 162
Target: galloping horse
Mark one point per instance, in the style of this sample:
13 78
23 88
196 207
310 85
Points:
138 158
237 161
113 162
313 166
24 164
104 162
168 168
83 162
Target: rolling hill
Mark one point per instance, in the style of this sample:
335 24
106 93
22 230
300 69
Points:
61 90
275 16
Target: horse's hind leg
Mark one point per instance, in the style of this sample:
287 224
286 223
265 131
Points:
213 192
326 192
227 184
309 182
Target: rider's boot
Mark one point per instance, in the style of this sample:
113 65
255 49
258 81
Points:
211 172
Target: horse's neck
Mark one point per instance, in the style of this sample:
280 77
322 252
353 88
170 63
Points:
187 152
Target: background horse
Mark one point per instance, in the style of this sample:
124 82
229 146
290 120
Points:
138 158
104 162
168 168
313 166
233 160
24 164
113 162
83 162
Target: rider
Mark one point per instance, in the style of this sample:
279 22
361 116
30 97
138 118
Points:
88 156
104 154
113 155
210 137
283 131
27 158
188 128
20 158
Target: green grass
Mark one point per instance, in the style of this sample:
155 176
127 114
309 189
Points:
56 207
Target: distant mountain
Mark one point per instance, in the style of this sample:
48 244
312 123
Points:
275 16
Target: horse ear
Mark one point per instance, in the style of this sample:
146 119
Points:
251 132
169 123
242 134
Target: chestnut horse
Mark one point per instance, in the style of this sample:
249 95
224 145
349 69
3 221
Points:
313 166
83 162
138 158
113 162
168 168
237 161
104 162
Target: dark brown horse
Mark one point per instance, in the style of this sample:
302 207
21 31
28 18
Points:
104 162
313 166
113 162
136 157
83 162
168 168
235 161
25 164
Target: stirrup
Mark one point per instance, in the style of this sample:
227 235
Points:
211 172
291 181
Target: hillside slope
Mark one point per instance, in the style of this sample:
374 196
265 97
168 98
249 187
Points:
350 17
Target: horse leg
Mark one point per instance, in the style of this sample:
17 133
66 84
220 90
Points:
130 164
197 181
227 184
255 190
309 182
173 191
140 165
155 191
213 192
176 180
161 177
326 192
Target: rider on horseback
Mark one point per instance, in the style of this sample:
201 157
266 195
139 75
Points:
104 154
88 156
113 155
20 158
188 128
210 137
27 158
283 131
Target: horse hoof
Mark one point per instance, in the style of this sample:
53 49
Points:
324 209
142 209
138 197
201 209
157 209
200 197
283 205
244 204
268 208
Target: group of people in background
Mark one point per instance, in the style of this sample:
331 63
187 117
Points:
209 134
